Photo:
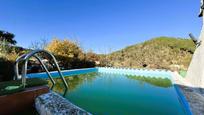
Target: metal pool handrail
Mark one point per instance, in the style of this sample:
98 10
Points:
24 58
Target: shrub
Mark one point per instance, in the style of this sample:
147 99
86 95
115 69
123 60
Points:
7 66
160 53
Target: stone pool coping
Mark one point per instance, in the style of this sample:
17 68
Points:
53 104
193 95
157 73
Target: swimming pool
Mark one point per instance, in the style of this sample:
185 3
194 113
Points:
122 92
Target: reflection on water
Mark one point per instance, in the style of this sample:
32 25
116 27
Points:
77 80
73 82
153 81
108 94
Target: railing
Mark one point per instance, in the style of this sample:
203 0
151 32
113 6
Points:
25 58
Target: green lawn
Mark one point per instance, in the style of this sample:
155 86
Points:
10 87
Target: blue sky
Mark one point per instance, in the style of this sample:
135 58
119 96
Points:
100 25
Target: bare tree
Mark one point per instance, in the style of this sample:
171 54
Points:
41 44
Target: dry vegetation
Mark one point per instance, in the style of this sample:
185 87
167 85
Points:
70 55
160 53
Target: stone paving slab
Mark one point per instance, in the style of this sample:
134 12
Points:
194 95
195 99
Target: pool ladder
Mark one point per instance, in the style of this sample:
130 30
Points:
25 58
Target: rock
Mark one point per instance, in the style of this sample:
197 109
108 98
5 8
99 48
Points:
54 104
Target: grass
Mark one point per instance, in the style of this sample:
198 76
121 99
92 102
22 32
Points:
183 73
10 87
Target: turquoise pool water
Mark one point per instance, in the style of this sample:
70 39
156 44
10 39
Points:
111 94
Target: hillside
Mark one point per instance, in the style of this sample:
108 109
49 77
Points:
160 53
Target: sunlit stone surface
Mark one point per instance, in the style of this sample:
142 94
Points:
54 104
195 74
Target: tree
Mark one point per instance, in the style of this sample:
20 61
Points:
64 48
41 44
68 53
8 37
90 55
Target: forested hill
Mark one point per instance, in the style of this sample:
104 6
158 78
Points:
160 53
